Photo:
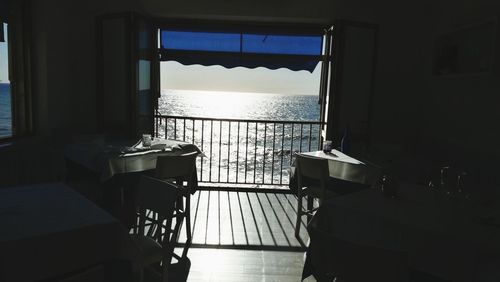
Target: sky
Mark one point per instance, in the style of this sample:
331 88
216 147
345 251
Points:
4 77
259 80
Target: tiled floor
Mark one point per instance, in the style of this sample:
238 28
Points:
244 265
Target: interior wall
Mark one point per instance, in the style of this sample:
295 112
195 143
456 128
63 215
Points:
64 61
460 112
398 79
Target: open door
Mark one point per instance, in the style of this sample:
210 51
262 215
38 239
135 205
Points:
114 84
146 68
348 99
126 61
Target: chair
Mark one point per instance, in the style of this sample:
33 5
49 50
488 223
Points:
180 169
158 225
312 179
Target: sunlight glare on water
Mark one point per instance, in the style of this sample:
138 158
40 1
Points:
211 103
240 105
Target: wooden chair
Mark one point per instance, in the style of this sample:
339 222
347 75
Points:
312 179
159 220
177 170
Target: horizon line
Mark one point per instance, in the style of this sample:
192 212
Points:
229 91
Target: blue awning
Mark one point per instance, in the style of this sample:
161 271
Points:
233 49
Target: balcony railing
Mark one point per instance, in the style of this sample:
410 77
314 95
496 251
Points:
242 151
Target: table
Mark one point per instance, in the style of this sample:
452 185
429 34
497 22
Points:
443 235
344 167
347 174
124 157
119 166
49 229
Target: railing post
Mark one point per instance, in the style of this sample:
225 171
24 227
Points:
246 154
264 154
272 160
282 152
238 153
255 154
228 150
220 149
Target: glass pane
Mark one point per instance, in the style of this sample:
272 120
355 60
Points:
5 92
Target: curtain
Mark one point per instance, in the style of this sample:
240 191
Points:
20 68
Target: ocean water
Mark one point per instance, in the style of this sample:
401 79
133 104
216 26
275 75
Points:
5 111
239 105
256 146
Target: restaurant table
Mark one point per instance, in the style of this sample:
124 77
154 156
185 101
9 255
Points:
347 174
445 235
49 229
118 167
123 157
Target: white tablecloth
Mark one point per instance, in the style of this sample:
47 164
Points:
49 229
344 167
443 236
113 159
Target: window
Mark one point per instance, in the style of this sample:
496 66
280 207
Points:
5 89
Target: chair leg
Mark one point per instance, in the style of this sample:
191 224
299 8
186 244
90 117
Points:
299 216
164 272
141 274
189 235
310 206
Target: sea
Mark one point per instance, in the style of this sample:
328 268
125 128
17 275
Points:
256 141
239 105
5 111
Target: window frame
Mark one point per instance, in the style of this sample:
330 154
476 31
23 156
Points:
10 69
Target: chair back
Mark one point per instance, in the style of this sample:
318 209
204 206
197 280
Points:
311 168
182 166
156 202
358 263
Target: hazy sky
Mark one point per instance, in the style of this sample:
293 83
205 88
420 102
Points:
217 78
3 58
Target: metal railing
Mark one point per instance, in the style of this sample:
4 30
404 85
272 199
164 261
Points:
242 151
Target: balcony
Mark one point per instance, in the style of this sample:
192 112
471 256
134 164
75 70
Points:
244 201
242 153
